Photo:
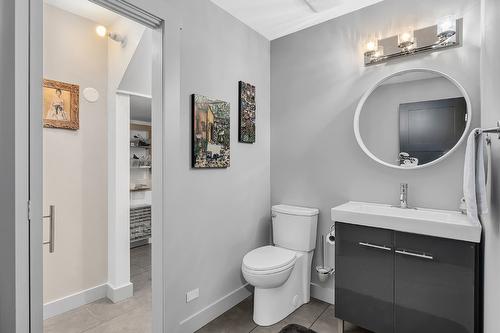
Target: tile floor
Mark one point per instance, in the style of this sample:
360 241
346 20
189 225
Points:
130 316
134 314
316 315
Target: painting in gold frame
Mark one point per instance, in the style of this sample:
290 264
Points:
61 102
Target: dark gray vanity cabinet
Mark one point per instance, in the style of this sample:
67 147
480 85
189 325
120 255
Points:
388 281
434 284
364 277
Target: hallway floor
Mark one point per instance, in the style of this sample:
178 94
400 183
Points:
130 316
316 315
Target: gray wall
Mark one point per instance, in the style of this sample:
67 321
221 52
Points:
490 86
7 192
215 216
317 79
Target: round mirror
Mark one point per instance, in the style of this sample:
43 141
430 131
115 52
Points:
412 119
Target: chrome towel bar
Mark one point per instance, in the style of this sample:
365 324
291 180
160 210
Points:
490 130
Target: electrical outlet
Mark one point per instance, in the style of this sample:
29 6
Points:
192 295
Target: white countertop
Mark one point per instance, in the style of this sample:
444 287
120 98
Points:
430 222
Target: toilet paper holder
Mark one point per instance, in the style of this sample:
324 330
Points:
323 271
331 235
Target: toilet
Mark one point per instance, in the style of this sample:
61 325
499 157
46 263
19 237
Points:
281 274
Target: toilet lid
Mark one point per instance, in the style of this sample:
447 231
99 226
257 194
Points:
267 258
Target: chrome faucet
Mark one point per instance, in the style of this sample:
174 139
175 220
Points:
403 195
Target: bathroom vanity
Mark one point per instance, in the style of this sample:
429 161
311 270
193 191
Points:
406 270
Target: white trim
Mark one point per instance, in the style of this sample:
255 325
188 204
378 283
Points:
213 310
323 294
73 301
35 163
126 9
118 294
368 93
158 177
140 122
131 93
22 107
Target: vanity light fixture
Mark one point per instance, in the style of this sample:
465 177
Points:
101 31
406 41
446 28
442 35
373 50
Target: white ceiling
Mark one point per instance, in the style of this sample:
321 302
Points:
86 9
277 18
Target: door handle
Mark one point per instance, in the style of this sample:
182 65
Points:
373 246
52 226
416 255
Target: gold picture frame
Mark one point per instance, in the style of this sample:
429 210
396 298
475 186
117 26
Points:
61 104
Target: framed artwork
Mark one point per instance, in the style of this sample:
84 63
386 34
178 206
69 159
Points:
246 130
211 125
61 102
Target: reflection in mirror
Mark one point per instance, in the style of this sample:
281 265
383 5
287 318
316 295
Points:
413 118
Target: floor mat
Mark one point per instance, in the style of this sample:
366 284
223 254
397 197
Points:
294 328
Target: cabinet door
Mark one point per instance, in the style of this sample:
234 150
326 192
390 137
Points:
364 278
435 285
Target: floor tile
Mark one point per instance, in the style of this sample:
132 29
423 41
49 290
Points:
306 315
135 321
130 315
75 321
326 323
236 320
106 310
141 281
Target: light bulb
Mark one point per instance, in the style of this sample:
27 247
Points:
101 30
446 27
371 46
379 52
406 40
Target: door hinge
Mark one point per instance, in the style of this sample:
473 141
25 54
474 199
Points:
29 210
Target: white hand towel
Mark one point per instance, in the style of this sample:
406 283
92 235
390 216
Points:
474 176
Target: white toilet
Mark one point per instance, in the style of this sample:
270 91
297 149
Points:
281 274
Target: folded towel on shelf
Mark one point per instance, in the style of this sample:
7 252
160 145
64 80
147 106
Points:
475 176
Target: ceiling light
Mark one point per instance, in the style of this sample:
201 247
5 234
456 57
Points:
103 32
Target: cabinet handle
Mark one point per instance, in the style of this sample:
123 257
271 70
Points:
373 246
416 255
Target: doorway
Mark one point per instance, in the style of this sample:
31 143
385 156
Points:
98 247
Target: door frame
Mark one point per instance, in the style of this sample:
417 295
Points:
29 162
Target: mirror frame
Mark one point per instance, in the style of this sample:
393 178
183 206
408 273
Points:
365 96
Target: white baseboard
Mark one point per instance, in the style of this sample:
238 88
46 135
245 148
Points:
74 301
323 294
118 294
212 311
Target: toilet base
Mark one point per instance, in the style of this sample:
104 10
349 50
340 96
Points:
274 304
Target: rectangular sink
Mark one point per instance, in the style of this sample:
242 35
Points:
430 222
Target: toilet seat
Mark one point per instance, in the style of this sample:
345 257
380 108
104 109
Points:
268 260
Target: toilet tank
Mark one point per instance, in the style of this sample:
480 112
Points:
295 227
